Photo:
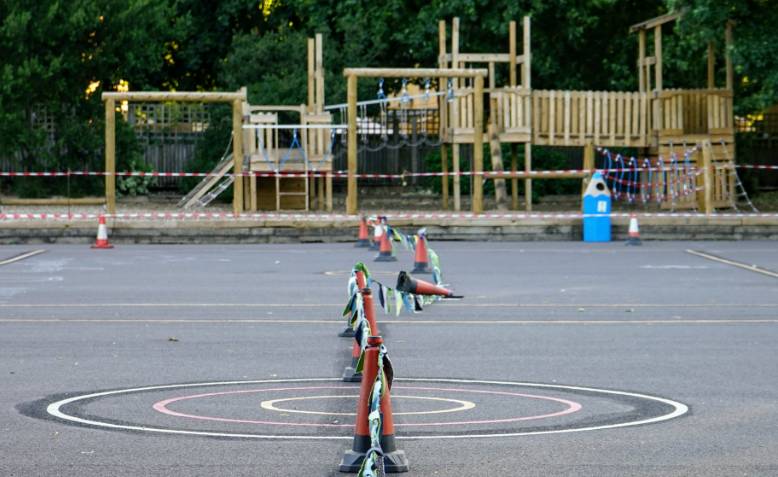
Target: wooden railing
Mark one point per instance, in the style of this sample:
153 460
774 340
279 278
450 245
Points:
694 111
573 118
460 116
513 113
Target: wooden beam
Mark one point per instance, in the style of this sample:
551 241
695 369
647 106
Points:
455 148
319 100
641 61
484 57
512 53
728 56
351 196
658 56
478 142
237 155
110 155
55 201
526 80
655 22
711 66
311 75
415 72
183 96
707 174
535 175
528 181
442 117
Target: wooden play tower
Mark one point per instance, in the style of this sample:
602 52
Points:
694 124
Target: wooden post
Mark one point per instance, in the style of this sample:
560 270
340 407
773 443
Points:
442 112
110 155
478 146
311 76
512 76
319 73
514 179
658 57
526 82
512 53
642 60
500 194
237 156
455 119
527 182
588 165
711 66
351 196
728 56
707 174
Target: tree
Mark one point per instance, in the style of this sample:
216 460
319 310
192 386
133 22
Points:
52 51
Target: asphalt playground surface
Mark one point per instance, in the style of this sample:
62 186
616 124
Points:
224 360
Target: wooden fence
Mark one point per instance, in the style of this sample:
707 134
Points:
573 118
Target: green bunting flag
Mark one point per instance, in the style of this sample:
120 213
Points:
398 302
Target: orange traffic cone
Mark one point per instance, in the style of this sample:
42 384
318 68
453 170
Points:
350 374
634 231
408 284
421 263
385 251
378 231
361 283
102 234
363 239
394 460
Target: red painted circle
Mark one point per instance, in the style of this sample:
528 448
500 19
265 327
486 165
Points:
162 406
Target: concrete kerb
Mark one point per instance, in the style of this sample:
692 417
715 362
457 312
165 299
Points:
338 230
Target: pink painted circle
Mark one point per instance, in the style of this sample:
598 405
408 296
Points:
162 406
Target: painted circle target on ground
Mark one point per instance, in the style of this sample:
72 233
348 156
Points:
323 408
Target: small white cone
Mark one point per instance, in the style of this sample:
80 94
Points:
634 231
102 235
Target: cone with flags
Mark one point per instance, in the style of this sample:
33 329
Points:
363 239
350 374
379 228
421 263
385 250
102 234
634 231
390 458
408 284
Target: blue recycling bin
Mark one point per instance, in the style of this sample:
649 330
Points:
597 210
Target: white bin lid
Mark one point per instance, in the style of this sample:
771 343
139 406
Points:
597 186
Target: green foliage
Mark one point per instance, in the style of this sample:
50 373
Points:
52 51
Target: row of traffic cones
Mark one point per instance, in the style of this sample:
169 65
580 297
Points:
392 459
382 241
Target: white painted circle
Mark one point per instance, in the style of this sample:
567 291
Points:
55 409
270 405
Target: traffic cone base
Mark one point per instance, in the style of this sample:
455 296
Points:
395 460
421 267
350 374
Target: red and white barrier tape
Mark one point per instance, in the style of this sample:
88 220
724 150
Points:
655 170
337 174
195 216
